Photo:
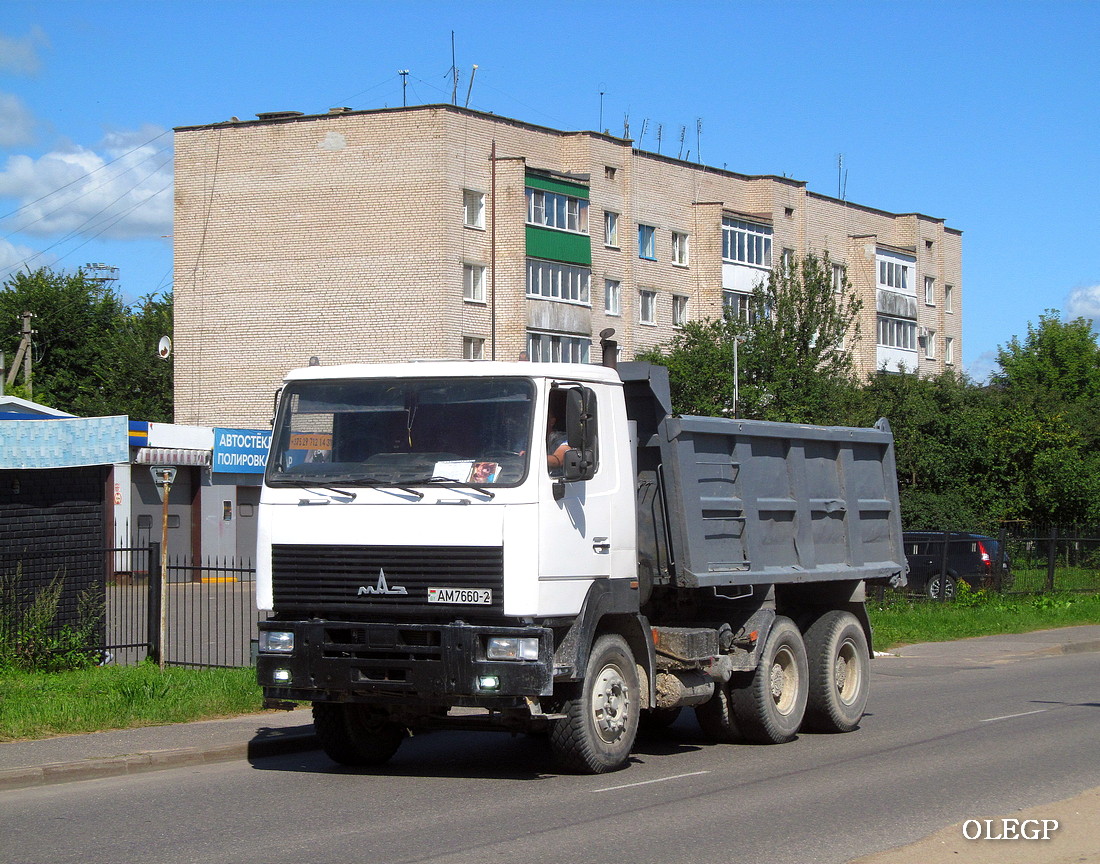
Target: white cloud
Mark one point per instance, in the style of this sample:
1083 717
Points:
1085 303
120 190
16 122
21 55
12 258
982 367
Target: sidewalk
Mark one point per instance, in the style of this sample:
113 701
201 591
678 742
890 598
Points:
130 751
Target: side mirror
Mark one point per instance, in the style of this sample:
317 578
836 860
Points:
580 429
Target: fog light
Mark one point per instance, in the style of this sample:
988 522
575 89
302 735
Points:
511 648
281 676
488 682
276 641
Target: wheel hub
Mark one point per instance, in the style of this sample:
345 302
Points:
610 704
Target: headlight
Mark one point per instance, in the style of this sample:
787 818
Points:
277 641
511 648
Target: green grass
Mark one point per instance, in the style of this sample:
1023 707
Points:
44 704
904 622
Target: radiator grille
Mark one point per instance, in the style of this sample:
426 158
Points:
327 581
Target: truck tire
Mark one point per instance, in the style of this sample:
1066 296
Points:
356 735
716 718
769 709
601 722
840 669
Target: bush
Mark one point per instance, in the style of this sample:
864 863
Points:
31 640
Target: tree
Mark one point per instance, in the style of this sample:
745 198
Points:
92 354
1058 360
791 362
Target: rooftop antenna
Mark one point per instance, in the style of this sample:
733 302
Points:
454 71
603 91
471 87
641 138
660 129
683 132
626 125
699 139
841 177
404 73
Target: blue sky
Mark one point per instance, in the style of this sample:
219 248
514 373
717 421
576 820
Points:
984 114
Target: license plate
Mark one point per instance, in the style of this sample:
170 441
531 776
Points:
464 596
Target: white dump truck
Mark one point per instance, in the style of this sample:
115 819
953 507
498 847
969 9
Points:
548 548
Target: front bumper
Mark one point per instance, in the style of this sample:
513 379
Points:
398 663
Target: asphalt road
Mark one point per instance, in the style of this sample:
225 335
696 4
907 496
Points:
949 739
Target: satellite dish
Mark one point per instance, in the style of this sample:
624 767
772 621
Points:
164 349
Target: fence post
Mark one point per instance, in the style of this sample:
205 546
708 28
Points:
999 562
156 599
943 568
1052 557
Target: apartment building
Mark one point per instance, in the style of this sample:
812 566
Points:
437 231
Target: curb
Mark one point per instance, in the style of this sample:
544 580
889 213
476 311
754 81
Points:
139 763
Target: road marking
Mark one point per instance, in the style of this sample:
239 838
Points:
647 782
1013 716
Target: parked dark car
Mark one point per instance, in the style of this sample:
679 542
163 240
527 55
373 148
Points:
970 557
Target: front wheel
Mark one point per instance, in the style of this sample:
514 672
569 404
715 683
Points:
840 667
356 735
769 709
601 722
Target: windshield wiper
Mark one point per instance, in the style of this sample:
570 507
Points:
306 484
375 483
462 484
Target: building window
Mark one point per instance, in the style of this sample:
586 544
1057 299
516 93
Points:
897 333
647 242
611 229
558 281
679 310
894 274
746 242
680 248
554 210
473 348
929 339
840 277
473 283
736 305
948 298
949 350
612 297
929 291
473 208
788 259
647 306
555 348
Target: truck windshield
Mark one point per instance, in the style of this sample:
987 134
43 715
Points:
398 431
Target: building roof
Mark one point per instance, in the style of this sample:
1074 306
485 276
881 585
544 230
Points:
14 408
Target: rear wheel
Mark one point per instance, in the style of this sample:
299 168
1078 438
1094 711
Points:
769 709
840 666
932 587
356 735
716 718
601 722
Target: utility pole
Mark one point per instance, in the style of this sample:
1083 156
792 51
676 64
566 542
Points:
24 353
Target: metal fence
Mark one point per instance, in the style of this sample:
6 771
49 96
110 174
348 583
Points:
1017 560
209 606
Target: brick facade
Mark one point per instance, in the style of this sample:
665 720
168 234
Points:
341 236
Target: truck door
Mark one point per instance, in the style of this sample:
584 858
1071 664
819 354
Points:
575 532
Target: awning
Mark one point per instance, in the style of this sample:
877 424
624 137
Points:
172 456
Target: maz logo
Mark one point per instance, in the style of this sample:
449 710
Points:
381 587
